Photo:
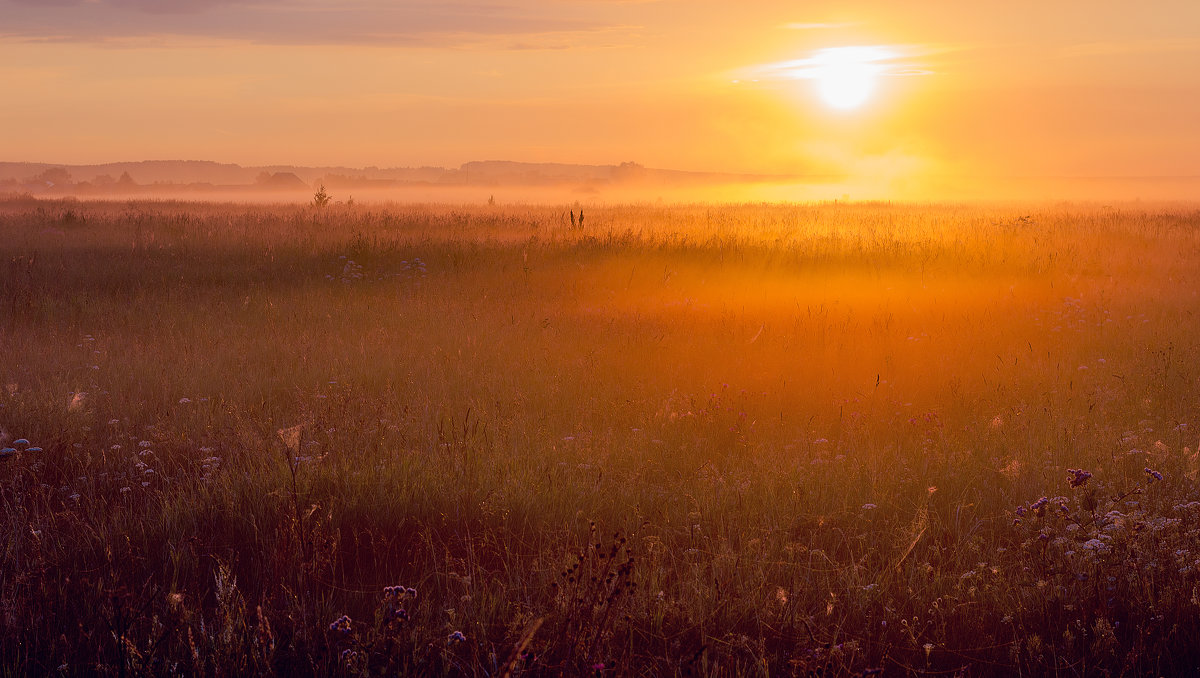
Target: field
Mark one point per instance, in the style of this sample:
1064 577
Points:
769 439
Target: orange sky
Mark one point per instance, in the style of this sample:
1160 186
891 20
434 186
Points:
987 88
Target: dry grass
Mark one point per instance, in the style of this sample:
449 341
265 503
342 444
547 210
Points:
707 440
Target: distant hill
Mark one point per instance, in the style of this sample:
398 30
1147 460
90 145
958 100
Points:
280 181
202 175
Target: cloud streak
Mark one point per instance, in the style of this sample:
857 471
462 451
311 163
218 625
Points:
882 60
815 26
1128 47
305 22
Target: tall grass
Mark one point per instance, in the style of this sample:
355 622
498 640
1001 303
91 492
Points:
682 440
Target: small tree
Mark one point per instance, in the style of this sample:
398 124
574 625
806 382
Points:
321 198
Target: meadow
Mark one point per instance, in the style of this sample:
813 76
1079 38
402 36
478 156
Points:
746 439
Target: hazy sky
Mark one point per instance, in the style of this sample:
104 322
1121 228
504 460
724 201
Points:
987 87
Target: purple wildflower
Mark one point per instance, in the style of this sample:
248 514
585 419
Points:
341 626
1154 475
1039 507
1079 477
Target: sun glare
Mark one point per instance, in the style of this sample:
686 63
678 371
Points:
845 86
845 77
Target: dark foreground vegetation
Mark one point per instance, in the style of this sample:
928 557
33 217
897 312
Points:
696 440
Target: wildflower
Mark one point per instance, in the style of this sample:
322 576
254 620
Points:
1079 477
868 507
348 656
1039 507
145 443
1159 524
456 637
341 626
184 401
1021 511
1154 475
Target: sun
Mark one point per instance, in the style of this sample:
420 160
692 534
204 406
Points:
845 77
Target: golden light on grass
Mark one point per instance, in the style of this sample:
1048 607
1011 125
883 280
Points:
786 422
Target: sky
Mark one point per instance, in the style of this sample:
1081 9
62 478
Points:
946 88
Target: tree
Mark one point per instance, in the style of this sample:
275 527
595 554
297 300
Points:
54 176
321 198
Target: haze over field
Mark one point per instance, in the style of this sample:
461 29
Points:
606 338
868 98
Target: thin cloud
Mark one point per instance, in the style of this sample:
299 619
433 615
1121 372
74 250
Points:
815 26
1121 47
883 60
151 6
301 22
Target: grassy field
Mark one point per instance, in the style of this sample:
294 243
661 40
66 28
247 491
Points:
838 439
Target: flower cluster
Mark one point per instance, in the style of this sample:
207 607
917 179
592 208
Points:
414 268
394 598
1078 477
351 271
341 626
18 445
398 592
1042 505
